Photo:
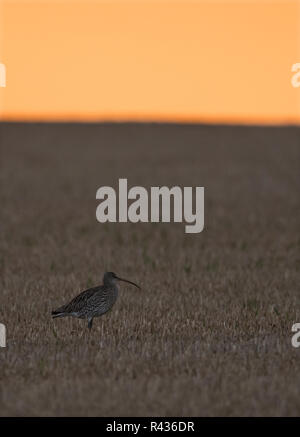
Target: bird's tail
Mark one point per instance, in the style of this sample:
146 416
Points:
58 314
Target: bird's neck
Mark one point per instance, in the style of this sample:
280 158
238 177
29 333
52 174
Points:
111 283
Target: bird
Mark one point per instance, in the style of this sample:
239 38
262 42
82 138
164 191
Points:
93 302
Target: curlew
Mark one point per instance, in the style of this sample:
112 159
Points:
93 302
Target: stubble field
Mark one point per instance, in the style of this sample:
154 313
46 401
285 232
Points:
210 332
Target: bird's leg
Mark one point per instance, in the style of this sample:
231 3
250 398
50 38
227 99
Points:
90 323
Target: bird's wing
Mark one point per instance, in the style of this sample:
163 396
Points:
79 301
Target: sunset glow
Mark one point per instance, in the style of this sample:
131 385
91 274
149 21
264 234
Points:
216 61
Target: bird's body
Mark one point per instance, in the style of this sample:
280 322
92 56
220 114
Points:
93 302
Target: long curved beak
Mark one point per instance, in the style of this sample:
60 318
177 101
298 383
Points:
129 282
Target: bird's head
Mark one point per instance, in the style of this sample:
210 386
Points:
110 277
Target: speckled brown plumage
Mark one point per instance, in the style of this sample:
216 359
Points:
93 302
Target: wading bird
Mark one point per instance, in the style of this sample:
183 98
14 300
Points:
93 302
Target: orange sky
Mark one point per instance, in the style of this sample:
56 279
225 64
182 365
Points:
227 61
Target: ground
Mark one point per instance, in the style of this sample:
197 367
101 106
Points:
210 332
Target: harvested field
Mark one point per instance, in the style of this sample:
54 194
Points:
210 332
